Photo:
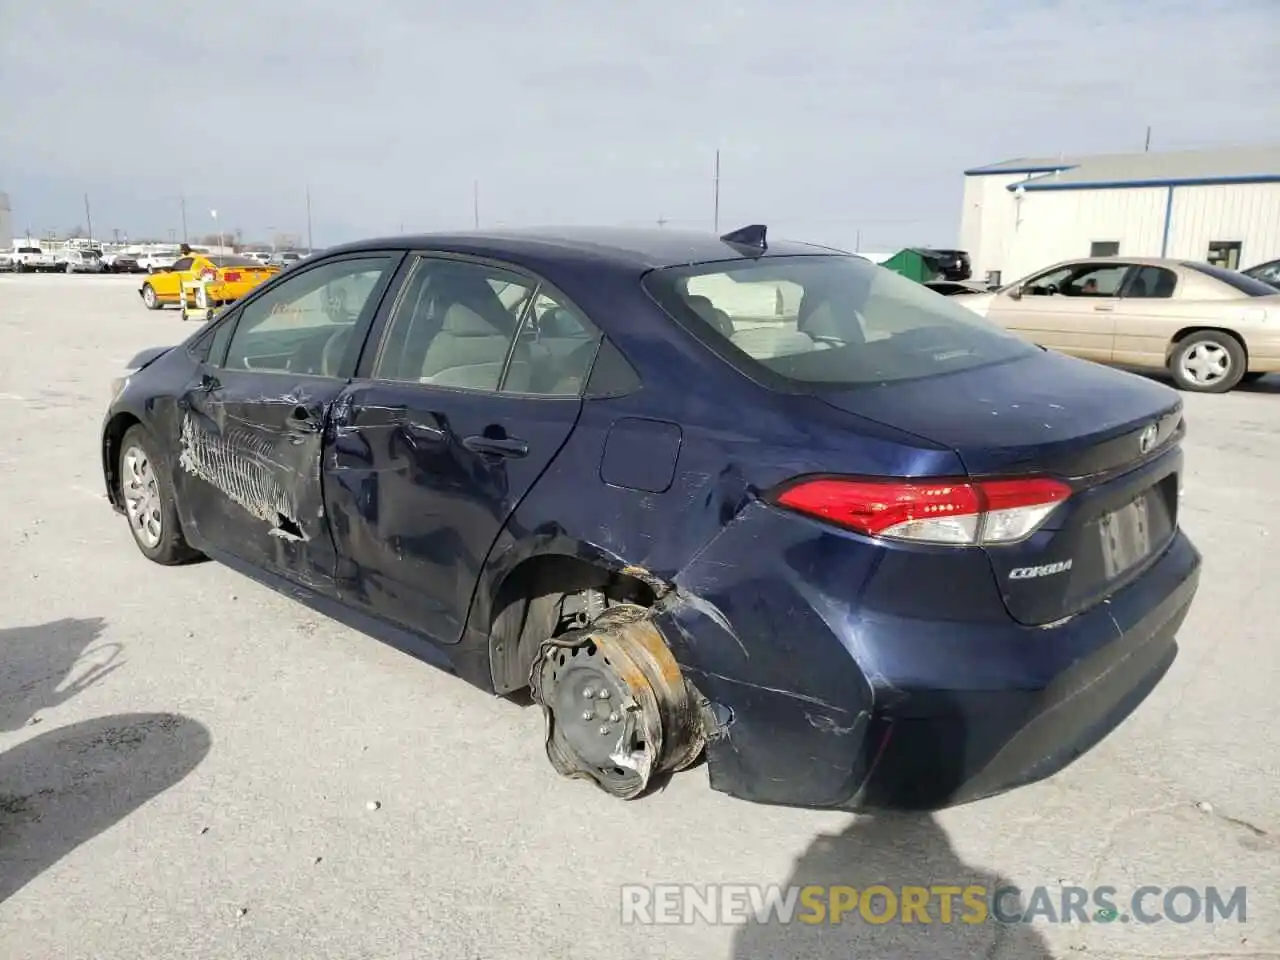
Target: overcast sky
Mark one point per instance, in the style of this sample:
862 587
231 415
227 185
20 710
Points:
836 119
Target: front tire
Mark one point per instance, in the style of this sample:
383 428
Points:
149 297
1208 361
149 503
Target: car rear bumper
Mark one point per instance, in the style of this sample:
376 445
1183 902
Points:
924 714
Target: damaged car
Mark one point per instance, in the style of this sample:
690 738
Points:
763 503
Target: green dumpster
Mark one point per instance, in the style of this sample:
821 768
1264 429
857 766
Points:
914 264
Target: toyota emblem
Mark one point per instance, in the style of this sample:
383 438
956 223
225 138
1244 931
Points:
1147 438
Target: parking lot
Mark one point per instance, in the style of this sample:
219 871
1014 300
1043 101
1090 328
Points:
194 766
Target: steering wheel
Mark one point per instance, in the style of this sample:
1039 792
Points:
334 349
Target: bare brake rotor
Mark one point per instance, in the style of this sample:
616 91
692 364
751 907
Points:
617 707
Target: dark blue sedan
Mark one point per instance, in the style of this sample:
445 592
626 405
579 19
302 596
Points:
762 502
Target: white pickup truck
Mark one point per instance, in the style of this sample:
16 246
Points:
31 259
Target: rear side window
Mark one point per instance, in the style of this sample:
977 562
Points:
1238 281
809 322
1155 283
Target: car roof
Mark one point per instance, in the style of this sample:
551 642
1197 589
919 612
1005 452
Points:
639 249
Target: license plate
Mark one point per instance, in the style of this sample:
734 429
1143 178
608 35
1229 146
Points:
1126 536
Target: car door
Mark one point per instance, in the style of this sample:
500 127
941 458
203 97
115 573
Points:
458 409
251 424
1070 308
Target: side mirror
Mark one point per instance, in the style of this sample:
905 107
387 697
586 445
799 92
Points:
1016 292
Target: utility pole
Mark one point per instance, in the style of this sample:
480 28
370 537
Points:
88 217
716 193
115 235
1147 147
475 203
310 249
182 201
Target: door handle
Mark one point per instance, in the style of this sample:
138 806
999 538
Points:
1103 308
495 447
209 382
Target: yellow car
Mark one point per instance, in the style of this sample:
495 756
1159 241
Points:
227 277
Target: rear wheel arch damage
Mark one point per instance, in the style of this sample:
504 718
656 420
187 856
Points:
583 637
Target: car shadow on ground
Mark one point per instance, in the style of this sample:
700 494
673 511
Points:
38 667
63 787
67 784
895 851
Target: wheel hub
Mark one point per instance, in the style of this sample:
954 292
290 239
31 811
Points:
617 708
141 496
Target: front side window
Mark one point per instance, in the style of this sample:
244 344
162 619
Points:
811 321
305 324
1266 272
1078 280
183 264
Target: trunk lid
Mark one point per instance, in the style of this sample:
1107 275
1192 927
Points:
1114 436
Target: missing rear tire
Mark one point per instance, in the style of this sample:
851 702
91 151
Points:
618 710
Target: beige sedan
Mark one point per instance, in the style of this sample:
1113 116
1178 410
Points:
1209 327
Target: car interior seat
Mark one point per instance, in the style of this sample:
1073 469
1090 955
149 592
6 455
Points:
709 312
474 337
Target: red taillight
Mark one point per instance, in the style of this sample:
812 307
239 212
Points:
208 276
963 512
231 276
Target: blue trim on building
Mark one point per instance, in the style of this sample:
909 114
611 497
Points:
1168 222
996 171
1130 184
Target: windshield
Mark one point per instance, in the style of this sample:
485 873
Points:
828 321
1246 285
234 262
29 250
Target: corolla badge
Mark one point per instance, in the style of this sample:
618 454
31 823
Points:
1147 438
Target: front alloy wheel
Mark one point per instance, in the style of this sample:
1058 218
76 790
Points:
147 496
142 500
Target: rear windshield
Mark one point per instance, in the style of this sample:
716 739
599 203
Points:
234 262
836 321
1246 285
29 250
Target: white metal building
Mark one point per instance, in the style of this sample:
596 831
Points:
6 221
1217 205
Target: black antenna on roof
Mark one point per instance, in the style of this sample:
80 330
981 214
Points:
752 237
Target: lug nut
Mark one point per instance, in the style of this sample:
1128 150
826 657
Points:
613 717
589 692
604 729
604 693
588 714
